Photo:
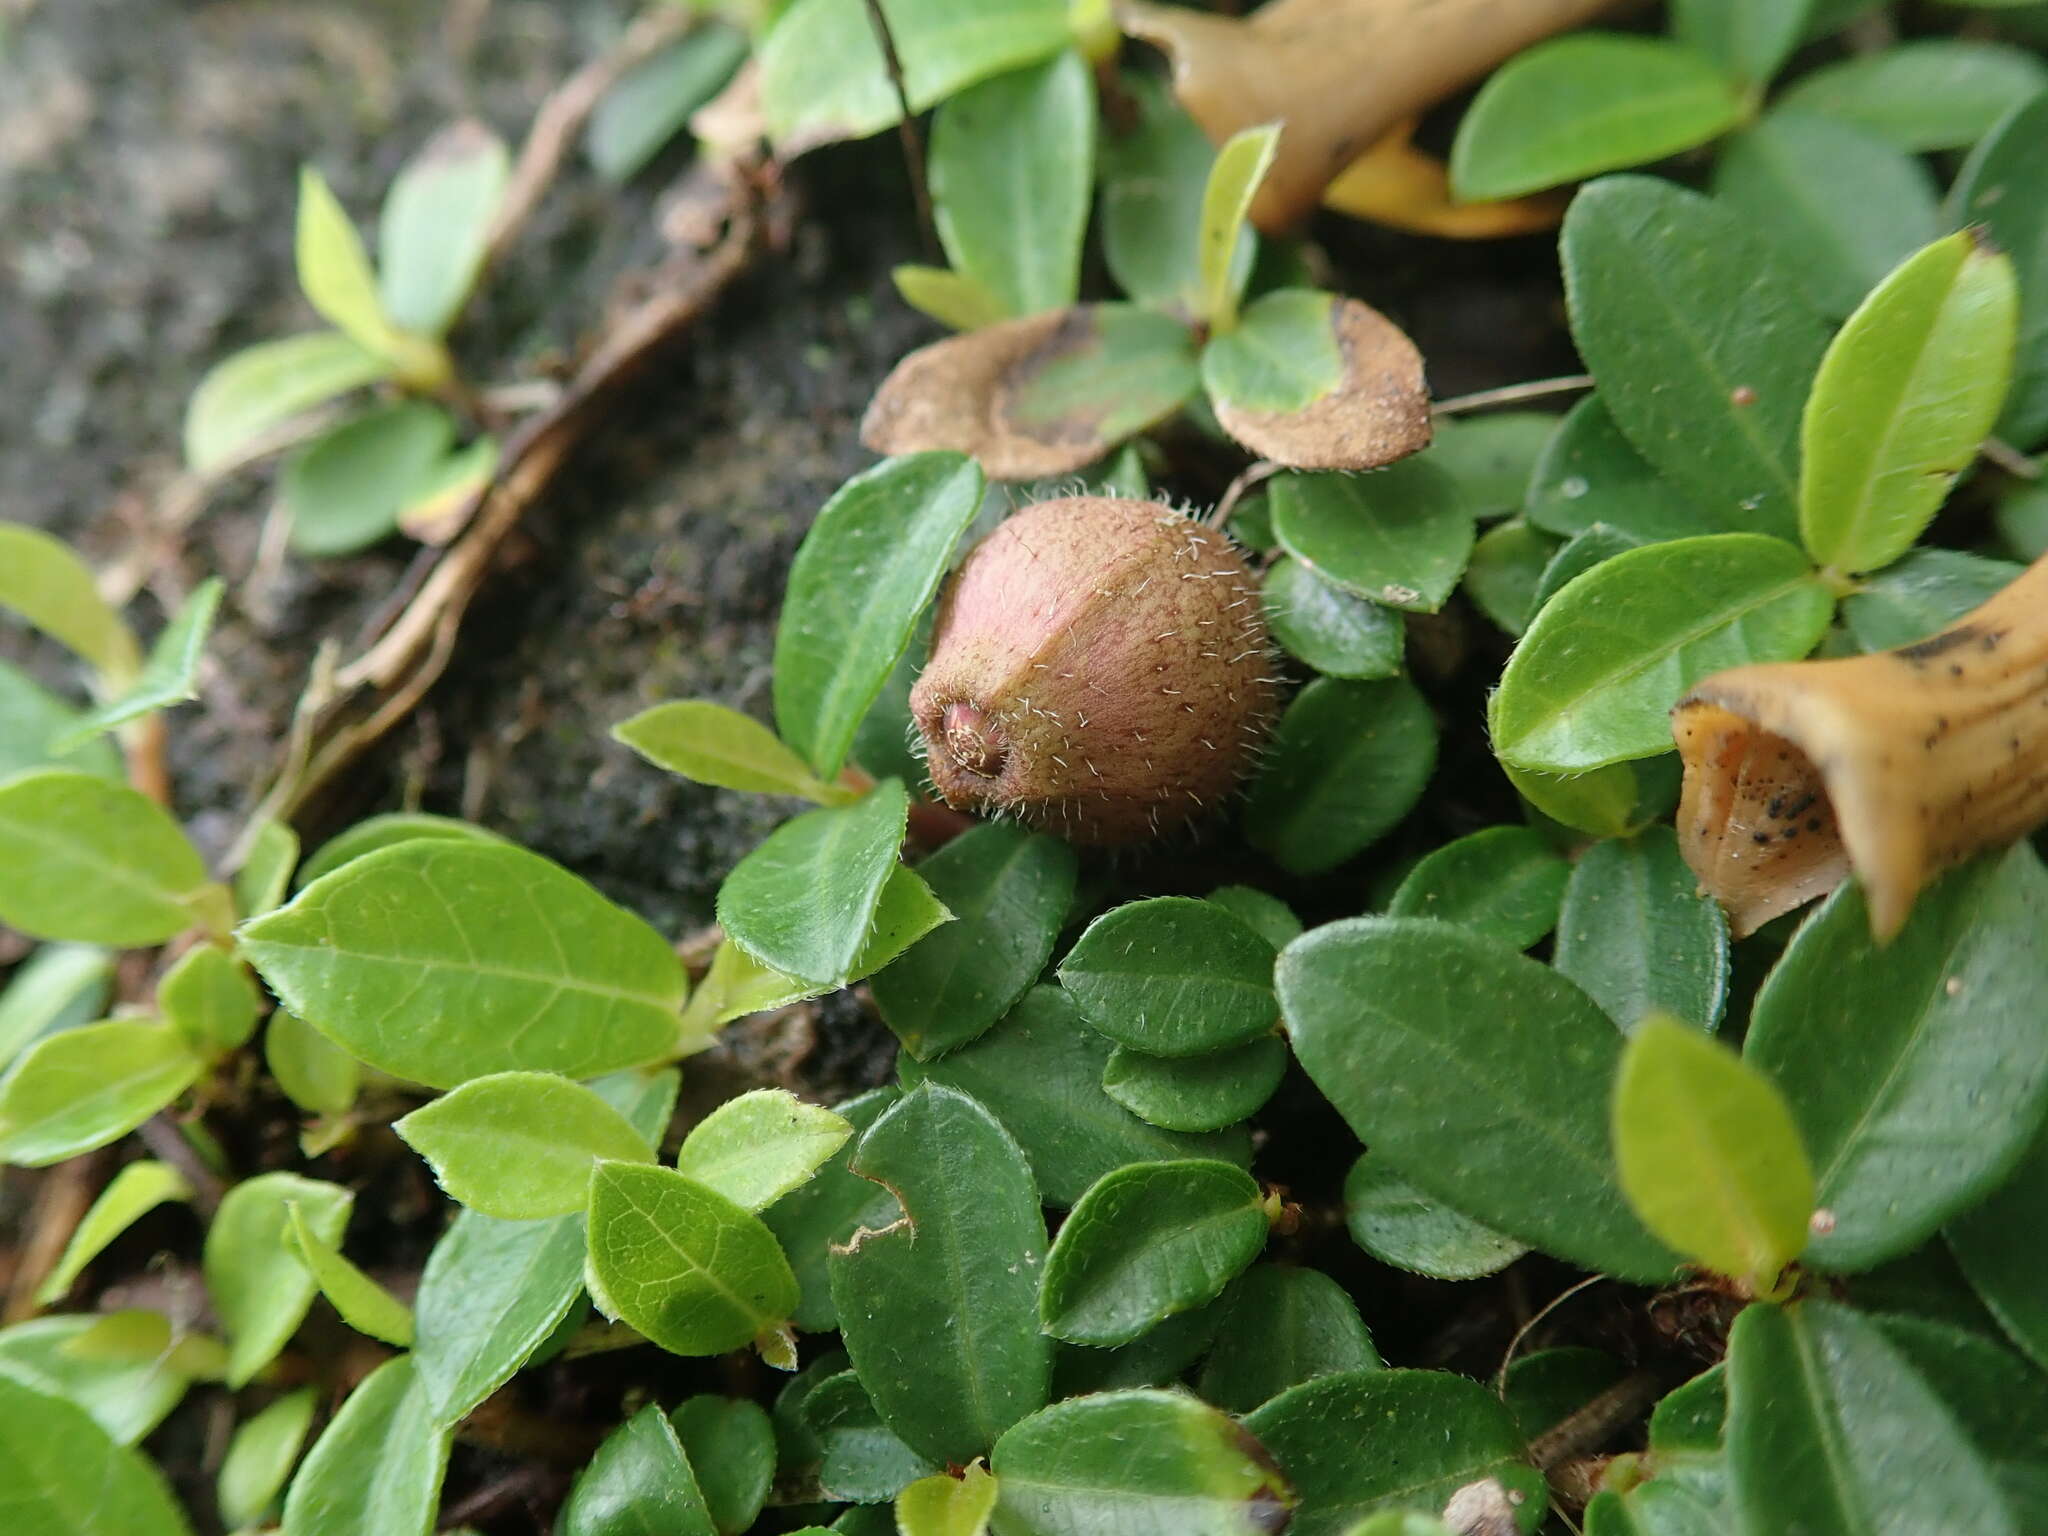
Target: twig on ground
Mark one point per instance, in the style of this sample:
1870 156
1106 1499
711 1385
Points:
1590 1426
1256 475
2010 459
167 1144
1500 1380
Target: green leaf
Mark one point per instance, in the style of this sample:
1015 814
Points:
57 987
1506 567
1590 547
334 269
756 1148
346 488
363 1304
1915 1070
111 867
803 902
1491 456
1158 1357
315 1073
1012 170
870 563
681 1263
128 1397
947 1506
1640 936
1594 679
47 585
1908 391
1282 357
1930 93
259 1288
1282 1326
1830 1430
491 1293
1196 1093
1504 882
435 226
953 300
1347 761
1702 341
1153 180
441 960
826 1211
2003 187
209 998
1172 976
131 1194
1148 1241
861 1458
1476 1073
170 676
1998 1400
1590 474
1591 102
1040 1073
1997 1246
66 1477
939 1309
640 1480
1748 39
33 723
1241 164
375 832
247 396
711 744
1842 206
651 102
1708 1154
1008 890
260 1457
376 1469
1136 1461
1107 371
1922 594
266 872
82 1088
1337 633
1266 915
1545 1389
1400 536
1400 1225
1367 1441
730 1445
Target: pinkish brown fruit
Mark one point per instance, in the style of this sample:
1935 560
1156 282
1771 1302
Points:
1099 668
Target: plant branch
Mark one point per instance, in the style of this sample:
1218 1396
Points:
167 1144
908 136
1512 394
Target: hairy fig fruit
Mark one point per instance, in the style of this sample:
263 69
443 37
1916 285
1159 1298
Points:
1099 668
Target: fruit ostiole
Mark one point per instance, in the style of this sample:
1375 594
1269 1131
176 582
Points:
1893 766
1100 669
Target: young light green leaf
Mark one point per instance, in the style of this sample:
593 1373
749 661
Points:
1161 1461
1907 393
938 1310
376 1469
1594 101
1399 537
43 582
1913 1069
1589 473
259 1288
1420 1032
1503 574
136 1190
681 1263
651 102
315 1073
2004 186
111 867
1009 890
1596 675
57 987
1922 593
1148 1241
1241 164
1748 39
245 397
1831 1430
363 1304
1012 168
1927 93
1172 976
1430 1434
756 1148
266 872
1702 341
954 300
1040 1072
209 998
334 269
1282 1326
441 960
827 1210
945 1505
82 1088
170 676
1347 761
260 1457
1503 881
803 902
127 1396
435 226
67 1477
375 832
868 566
730 1445
711 744
346 488
1708 1154
1196 1093
1334 631
1400 1225
639 1480
1640 936
1841 205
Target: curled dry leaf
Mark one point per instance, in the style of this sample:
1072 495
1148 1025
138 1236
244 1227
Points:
1340 73
1403 187
1894 765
